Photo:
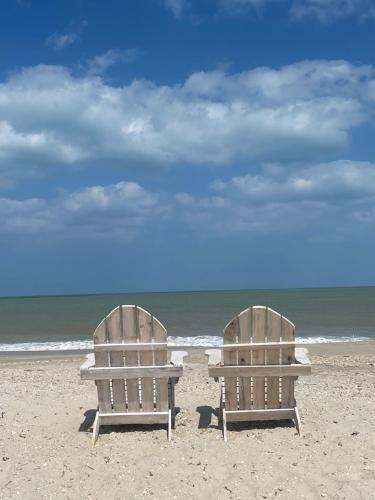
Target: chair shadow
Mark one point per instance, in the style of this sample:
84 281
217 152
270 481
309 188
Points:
259 424
205 417
86 425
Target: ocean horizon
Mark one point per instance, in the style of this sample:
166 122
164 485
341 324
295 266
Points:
192 318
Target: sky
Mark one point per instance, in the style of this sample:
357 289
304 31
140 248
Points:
154 145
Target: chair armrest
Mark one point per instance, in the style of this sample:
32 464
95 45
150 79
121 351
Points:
88 364
301 356
177 358
214 356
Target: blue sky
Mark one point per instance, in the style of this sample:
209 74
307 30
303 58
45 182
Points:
171 145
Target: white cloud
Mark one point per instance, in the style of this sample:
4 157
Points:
59 41
301 112
330 10
100 63
175 6
325 182
330 195
118 210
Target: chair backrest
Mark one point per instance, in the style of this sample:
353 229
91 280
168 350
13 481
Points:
130 336
259 336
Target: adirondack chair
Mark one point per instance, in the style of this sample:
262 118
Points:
258 366
135 383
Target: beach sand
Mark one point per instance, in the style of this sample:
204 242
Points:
46 452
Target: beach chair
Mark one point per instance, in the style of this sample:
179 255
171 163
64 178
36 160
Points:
258 365
134 380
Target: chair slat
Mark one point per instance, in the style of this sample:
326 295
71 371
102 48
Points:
273 358
161 385
258 357
230 358
244 358
130 334
146 358
114 328
102 360
287 357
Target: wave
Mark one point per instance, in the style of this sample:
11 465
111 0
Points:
199 341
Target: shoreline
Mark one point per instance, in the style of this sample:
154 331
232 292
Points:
366 347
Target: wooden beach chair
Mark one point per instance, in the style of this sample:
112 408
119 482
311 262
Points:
134 380
258 365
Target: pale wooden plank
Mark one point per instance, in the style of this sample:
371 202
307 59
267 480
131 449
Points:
214 356
258 356
114 326
301 356
260 345
230 358
287 357
129 326
254 415
136 372
259 371
244 358
273 358
134 418
161 386
102 360
177 358
137 346
146 358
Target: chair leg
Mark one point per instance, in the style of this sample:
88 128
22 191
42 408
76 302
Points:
224 417
96 427
172 402
169 425
297 421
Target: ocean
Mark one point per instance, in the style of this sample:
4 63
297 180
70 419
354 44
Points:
191 318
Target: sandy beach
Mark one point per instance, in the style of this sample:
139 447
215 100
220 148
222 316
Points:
46 452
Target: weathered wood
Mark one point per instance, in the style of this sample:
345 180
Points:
244 358
287 358
214 356
96 428
177 358
138 346
130 333
259 371
301 356
230 358
134 418
161 386
253 415
102 360
297 421
146 358
114 327
259 345
258 357
273 358
136 372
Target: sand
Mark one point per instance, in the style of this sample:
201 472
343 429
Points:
46 452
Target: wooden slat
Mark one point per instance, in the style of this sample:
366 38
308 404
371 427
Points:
134 418
138 346
244 358
129 322
287 357
260 345
230 359
258 357
161 386
253 415
102 360
259 371
146 358
114 329
273 358
135 372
